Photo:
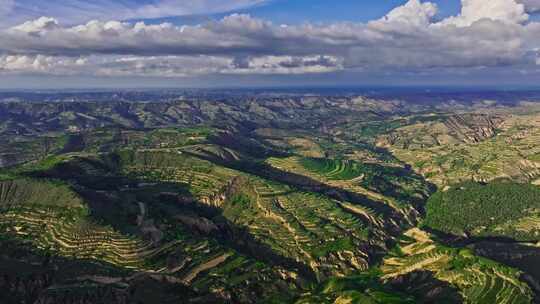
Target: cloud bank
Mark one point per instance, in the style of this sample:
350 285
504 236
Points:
487 33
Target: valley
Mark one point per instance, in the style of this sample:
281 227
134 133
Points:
269 199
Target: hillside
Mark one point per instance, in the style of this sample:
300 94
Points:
280 200
500 208
510 152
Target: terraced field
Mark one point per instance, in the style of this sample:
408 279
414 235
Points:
298 143
308 228
204 179
509 154
207 267
81 239
478 280
55 220
359 289
527 225
394 187
208 151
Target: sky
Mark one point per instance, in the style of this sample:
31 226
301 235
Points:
265 43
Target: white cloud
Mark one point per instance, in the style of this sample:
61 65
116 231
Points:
288 65
40 64
41 24
165 66
412 13
487 33
508 11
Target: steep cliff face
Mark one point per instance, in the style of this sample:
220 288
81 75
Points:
473 146
473 128
453 129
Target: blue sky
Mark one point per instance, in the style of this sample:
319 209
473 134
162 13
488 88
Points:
297 11
200 43
315 11
279 11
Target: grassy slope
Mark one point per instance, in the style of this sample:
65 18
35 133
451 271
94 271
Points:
399 188
299 225
318 225
363 288
479 280
512 153
51 217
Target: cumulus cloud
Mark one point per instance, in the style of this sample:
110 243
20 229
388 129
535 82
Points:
41 24
412 13
486 33
236 34
41 64
507 11
164 66
288 65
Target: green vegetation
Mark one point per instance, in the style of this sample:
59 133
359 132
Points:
214 202
396 182
359 289
534 157
32 167
26 193
340 245
483 153
300 225
42 165
53 217
494 209
294 224
16 150
334 169
177 137
55 220
203 178
371 130
478 280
